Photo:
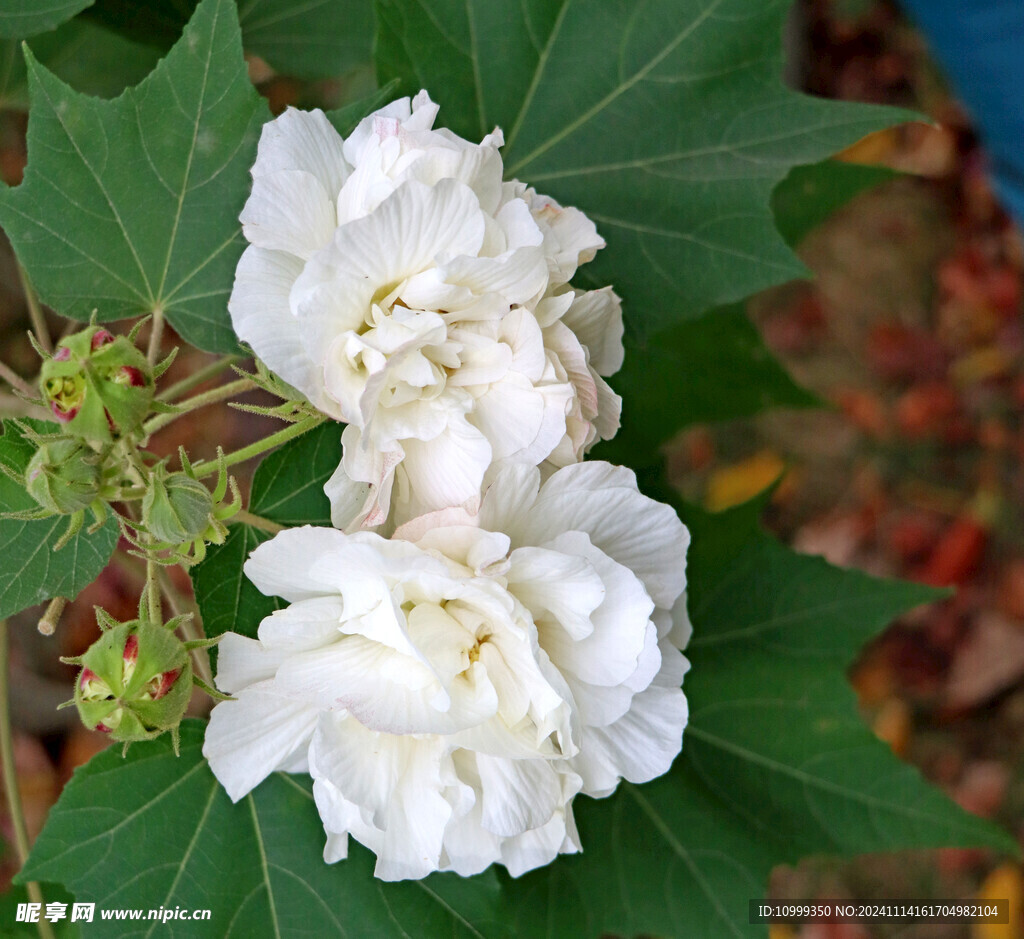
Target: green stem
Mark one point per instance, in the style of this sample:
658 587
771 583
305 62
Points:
156 614
198 377
256 521
35 312
156 334
16 381
206 468
10 777
48 623
189 630
201 400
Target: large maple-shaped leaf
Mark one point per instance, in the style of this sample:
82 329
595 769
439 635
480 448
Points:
312 39
88 57
717 368
20 19
30 570
666 121
131 206
154 830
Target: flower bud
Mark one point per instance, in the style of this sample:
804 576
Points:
135 682
99 386
176 508
63 476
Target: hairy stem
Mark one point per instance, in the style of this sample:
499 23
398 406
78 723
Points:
16 381
256 521
35 311
205 468
190 630
48 623
10 777
156 614
198 377
156 334
207 397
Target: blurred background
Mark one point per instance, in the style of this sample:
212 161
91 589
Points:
912 336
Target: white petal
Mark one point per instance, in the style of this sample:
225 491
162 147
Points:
541 846
680 629
406 234
242 662
303 140
570 238
643 743
517 794
603 500
261 316
517 276
556 585
348 497
446 471
398 110
600 705
609 409
306 624
510 493
398 781
289 211
364 465
249 738
596 318
295 564
512 415
460 540
609 653
386 691
479 167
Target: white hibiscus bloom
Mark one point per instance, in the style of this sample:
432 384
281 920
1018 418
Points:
405 289
452 689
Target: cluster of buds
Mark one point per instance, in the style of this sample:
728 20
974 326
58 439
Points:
136 679
98 386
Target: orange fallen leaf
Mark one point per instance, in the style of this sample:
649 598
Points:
736 484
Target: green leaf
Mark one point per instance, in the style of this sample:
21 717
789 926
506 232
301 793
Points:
30 570
776 763
20 19
811 194
666 121
131 206
318 39
315 39
153 830
287 488
90 58
715 368
228 602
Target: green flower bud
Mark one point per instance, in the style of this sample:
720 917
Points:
135 683
99 386
63 476
176 508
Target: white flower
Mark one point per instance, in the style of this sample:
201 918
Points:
453 688
396 281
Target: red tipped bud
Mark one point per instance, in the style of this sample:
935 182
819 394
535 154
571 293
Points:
98 385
